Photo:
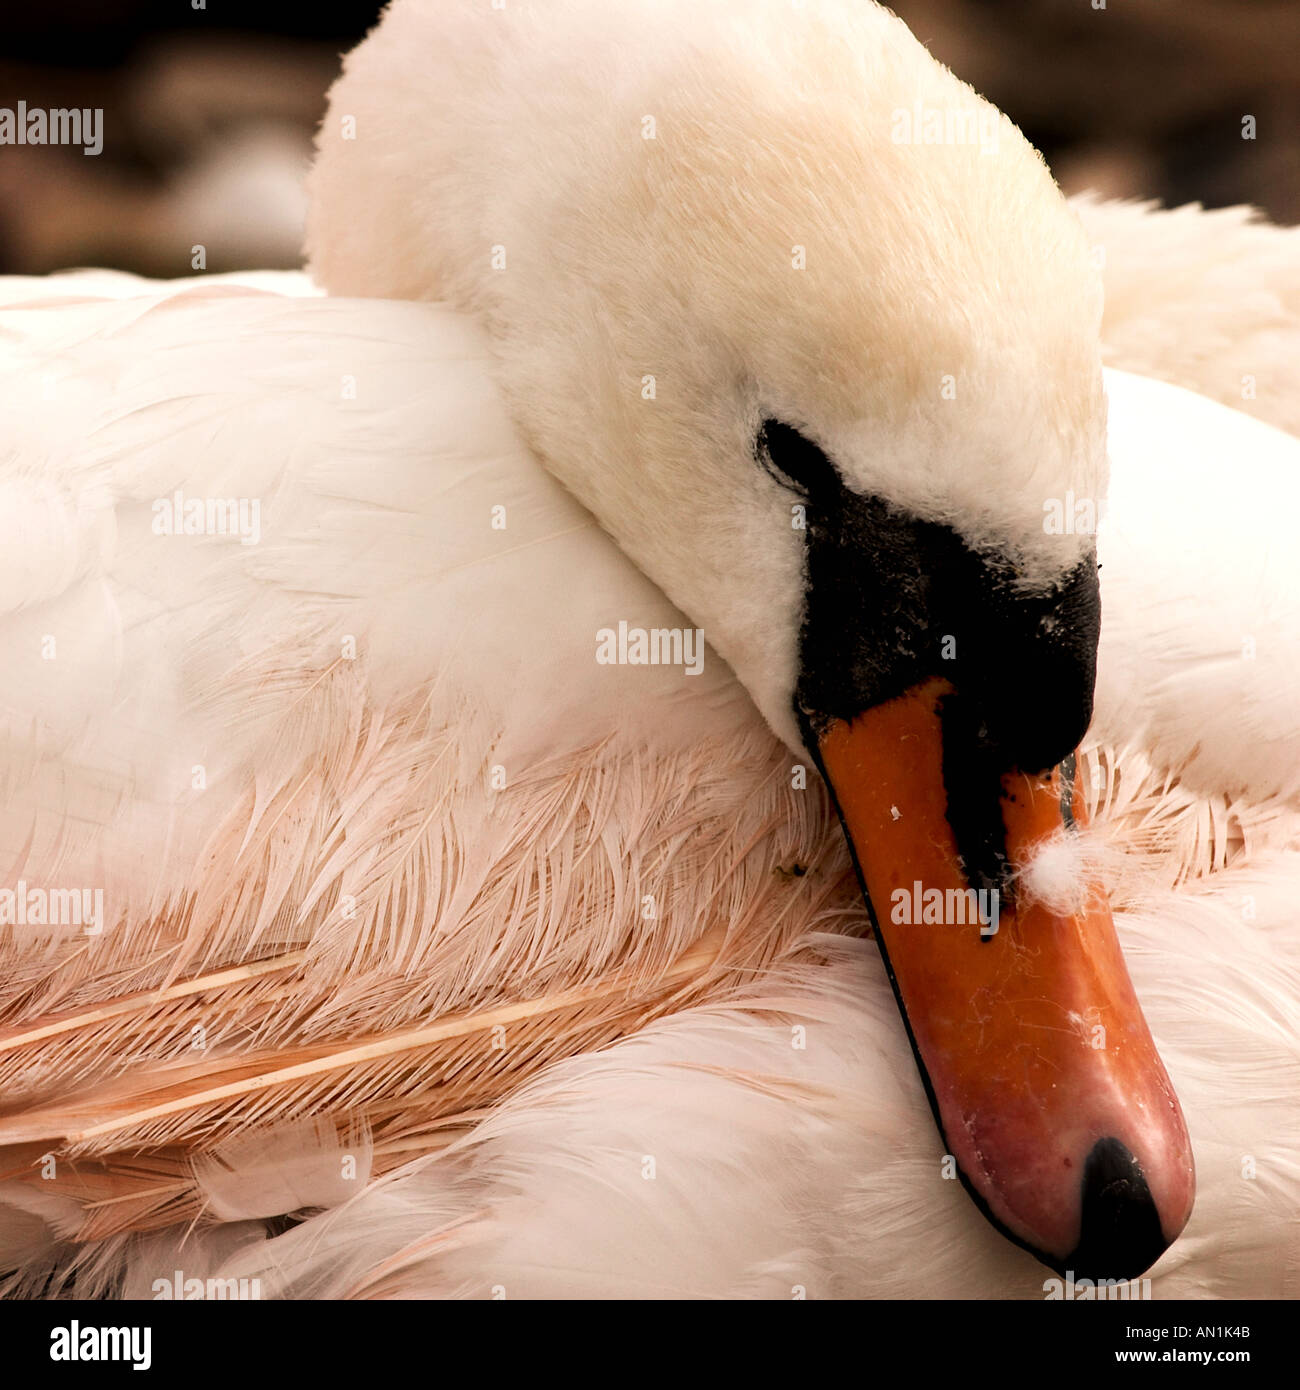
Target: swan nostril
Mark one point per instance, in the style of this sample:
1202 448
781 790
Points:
1120 1233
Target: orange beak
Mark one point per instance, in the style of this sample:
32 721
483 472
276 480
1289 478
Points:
1039 1065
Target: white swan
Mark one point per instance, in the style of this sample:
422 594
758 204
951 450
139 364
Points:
367 771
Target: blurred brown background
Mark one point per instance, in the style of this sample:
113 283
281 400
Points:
209 113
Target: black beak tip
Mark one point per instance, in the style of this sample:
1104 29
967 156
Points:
1120 1235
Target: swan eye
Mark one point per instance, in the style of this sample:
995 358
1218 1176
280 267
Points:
795 458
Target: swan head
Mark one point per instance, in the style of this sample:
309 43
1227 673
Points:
807 325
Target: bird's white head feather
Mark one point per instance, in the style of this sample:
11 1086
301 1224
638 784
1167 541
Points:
676 219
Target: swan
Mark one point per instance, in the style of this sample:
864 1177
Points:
311 682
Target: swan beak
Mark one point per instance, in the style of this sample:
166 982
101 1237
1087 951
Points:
1039 1065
